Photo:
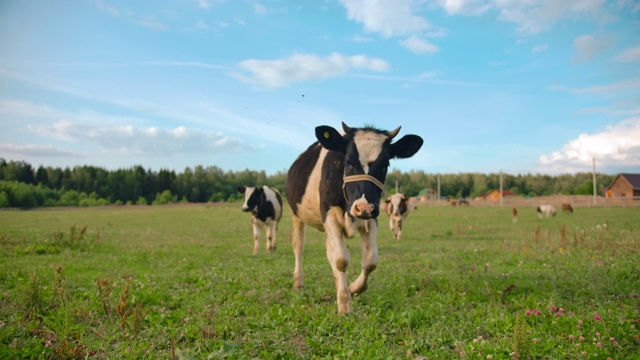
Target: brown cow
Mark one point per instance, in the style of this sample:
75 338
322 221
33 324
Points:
566 207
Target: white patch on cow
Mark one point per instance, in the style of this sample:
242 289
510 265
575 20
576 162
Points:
369 145
309 206
247 194
271 197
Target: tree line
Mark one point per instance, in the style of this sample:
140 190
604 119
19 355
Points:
23 186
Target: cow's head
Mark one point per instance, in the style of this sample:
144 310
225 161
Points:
396 204
252 197
367 152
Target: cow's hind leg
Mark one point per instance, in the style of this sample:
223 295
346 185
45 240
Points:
298 247
368 240
256 237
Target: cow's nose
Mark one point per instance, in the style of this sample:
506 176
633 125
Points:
362 209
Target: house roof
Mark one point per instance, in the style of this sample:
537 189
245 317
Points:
633 179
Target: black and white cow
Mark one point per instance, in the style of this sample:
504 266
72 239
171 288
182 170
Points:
398 208
335 187
265 205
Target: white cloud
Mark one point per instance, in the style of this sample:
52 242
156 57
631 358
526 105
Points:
387 17
587 47
618 147
305 67
419 46
35 150
204 4
129 139
260 9
539 48
201 25
629 55
465 7
533 17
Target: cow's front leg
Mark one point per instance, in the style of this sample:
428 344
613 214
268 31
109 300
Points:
339 257
399 234
368 241
271 237
298 247
256 236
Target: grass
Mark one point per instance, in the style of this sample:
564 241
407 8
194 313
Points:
180 282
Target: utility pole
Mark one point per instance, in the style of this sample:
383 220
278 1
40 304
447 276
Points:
594 182
438 188
396 186
500 187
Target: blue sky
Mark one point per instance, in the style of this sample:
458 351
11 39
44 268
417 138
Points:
521 86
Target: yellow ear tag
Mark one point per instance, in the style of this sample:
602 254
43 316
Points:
326 134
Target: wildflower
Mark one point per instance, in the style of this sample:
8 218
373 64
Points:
489 356
581 338
599 344
535 340
597 317
598 334
580 322
571 337
561 310
475 341
553 308
537 312
528 312
612 339
633 327
559 313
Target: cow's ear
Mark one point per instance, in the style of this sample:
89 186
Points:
241 189
330 138
406 147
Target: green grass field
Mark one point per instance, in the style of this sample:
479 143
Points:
180 282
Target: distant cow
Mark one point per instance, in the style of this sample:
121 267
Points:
546 211
462 202
265 205
335 187
514 215
566 207
398 208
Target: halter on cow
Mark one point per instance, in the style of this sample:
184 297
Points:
335 186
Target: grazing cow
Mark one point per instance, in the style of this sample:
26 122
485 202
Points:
265 205
398 208
566 207
546 211
335 187
462 202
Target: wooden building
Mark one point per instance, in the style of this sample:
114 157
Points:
625 185
495 195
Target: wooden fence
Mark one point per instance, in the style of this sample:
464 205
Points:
576 201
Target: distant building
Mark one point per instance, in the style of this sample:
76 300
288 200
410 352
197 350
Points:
427 194
495 195
625 185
